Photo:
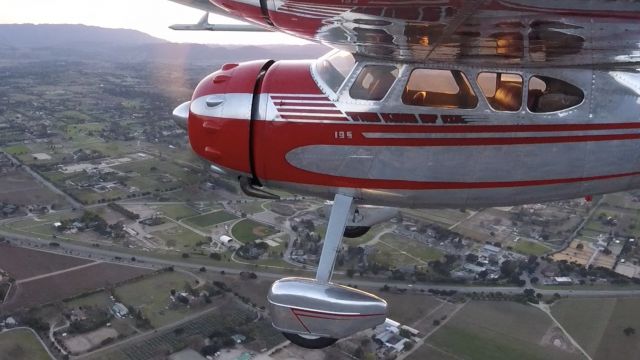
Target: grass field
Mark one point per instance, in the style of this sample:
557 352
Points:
498 331
179 237
428 351
97 300
395 250
251 207
21 344
210 219
17 150
597 325
176 211
530 248
249 230
151 295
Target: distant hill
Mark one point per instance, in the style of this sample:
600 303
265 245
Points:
83 42
56 35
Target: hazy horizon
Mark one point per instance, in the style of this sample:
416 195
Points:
148 16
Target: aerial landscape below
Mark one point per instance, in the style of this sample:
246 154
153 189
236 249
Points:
118 242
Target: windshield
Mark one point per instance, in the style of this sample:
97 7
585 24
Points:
334 67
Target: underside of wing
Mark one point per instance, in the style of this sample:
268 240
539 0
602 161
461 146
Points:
487 32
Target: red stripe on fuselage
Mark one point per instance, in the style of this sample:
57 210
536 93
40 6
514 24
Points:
277 139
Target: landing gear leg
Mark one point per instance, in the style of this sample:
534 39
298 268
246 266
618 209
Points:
333 238
332 242
314 313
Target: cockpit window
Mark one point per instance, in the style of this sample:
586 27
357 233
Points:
439 88
547 94
503 91
374 82
334 68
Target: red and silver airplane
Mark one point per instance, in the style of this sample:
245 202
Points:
424 103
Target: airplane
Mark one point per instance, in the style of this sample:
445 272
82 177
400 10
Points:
422 104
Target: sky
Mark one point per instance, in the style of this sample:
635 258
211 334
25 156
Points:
150 16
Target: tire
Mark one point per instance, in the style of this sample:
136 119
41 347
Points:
355 231
309 342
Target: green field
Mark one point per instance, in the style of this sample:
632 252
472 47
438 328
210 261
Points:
250 207
428 351
395 250
530 248
498 331
21 344
17 150
151 295
176 211
97 300
597 325
180 236
249 230
210 219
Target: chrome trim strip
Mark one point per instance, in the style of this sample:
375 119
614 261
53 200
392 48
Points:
471 134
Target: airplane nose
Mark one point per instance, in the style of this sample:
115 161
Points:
181 115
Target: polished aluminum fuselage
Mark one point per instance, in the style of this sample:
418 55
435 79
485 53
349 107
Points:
310 140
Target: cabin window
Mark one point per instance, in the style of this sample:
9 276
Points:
334 68
547 94
439 88
503 91
374 82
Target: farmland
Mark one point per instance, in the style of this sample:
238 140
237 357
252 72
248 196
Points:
151 295
13 260
21 344
497 331
228 315
598 324
67 284
20 188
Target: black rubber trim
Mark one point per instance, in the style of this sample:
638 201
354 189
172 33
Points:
255 112
264 7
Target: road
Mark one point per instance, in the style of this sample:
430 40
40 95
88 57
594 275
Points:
108 255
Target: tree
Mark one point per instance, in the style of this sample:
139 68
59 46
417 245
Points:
203 269
185 255
580 246
629 331
535 280
358 353
408 346
350 272
471 258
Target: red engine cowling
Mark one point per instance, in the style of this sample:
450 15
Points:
220 113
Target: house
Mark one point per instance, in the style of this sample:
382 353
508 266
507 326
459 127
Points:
239 339
119 310
491 250
10 323
563 280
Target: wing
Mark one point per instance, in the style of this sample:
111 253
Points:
488 32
